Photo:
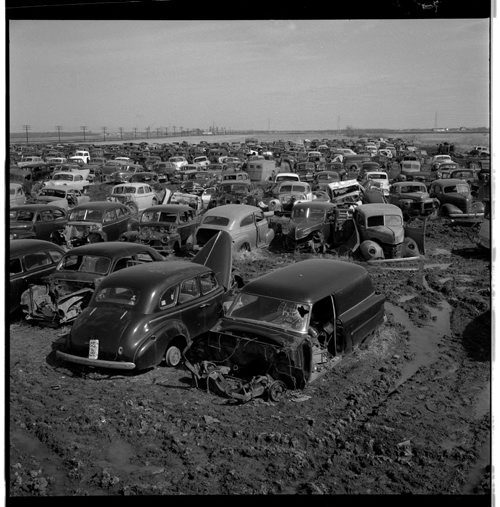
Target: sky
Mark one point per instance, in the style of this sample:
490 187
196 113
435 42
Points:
254 74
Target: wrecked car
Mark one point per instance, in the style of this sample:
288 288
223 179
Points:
233 192
38 221
168 228
95 221
281 332
382 234
62 197
456 201
413 198
29 261
310 225
136 196
142 316
61 296
247 225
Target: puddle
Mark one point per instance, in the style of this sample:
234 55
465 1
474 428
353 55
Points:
423 341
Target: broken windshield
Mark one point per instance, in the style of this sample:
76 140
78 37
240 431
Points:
286 315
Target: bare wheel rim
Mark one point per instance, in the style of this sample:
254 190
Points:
173 356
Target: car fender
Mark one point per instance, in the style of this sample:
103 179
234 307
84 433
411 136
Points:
150 352
130 236
448 209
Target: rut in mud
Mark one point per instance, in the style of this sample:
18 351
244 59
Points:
407 413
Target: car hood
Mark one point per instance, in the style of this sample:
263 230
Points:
217 254
416 196
390 235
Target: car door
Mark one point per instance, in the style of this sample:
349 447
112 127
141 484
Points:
247 231
44 224
185 225
262 228
189 305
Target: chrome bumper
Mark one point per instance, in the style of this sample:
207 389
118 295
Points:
100 363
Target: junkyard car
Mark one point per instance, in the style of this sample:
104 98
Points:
61 296
289 192
379 179
63 197
144 315
413 198
456 201
17 194
247 226
195 202
306 170
69 179
310 225
382 234
167 228
136 196
233 192
285 326
29 261
345 193
97 221
322 178
35 221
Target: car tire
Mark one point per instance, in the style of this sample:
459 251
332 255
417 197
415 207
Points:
173 356
245 247
95 238
132 206
410 248
276 390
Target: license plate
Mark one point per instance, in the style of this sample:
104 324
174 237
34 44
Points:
93 349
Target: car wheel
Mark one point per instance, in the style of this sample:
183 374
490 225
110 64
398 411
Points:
245 247
132 206
276 390
410 248
173 356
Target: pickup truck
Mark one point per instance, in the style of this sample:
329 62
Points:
81 156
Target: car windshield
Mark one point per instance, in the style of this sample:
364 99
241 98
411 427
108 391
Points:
413 188
377 176
460 188
124 190
52 192
285 315
62 177
85 264
215 220
387 220
159 216
22 215
308 213
117 295
234 187
86 215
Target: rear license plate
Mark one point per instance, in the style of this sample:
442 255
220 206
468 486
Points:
93 349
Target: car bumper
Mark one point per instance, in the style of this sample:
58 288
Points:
466 217
99 363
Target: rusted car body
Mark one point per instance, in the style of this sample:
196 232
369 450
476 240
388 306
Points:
413 198
168 228
38 221
61 296
280 332
456 201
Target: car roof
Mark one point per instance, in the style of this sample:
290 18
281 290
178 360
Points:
315 204
102 205
232 211
22 246
310 280
450 181
111 248
170 207
378 208
36 207
153 275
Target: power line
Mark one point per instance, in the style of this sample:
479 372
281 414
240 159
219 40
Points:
26 128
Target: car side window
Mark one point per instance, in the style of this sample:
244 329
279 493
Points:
208 283
35 260
189 290
169 297
140 190
109 216
15 266
248 220
144 257
58 214
55 255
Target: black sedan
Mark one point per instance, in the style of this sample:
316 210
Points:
38 221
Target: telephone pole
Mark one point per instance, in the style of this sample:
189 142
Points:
26 128
121 132
135 132
58 127
147 132
84 128
104 133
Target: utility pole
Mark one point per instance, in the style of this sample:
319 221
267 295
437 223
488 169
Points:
166 131
26 128
58 127
135 132
121 132
84 128
104 133
157 132
436 120
174 127
147 132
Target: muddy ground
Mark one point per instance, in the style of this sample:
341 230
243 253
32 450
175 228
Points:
410 413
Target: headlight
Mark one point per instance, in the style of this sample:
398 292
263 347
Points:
164 239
